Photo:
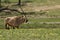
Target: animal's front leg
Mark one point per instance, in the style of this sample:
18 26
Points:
5 26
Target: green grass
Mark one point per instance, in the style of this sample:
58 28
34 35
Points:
40 2
35 23
11 0
34 31
44 19
2 23
30 34
54 12
51 12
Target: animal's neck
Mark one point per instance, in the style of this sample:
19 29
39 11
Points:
19 21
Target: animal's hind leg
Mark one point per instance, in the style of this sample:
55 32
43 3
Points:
6 26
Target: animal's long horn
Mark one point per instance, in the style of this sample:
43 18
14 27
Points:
23 15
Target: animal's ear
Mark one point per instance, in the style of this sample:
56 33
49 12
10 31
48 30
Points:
23 16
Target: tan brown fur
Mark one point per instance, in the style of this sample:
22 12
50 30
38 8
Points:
14 21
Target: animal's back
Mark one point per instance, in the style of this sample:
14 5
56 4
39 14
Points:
10 21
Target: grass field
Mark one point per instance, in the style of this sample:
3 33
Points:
54 12
39 2
30 34
45 20
34 29
36 23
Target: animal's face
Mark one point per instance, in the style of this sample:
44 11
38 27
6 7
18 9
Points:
25 18
22 19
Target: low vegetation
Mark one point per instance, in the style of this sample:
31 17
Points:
42 25
30 34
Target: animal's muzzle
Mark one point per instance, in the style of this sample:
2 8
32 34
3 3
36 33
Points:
26 20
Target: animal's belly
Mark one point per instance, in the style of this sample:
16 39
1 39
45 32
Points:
12 23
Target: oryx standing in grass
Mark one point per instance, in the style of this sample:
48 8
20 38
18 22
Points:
15 21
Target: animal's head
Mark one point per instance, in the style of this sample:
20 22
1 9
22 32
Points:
22 18
25 18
